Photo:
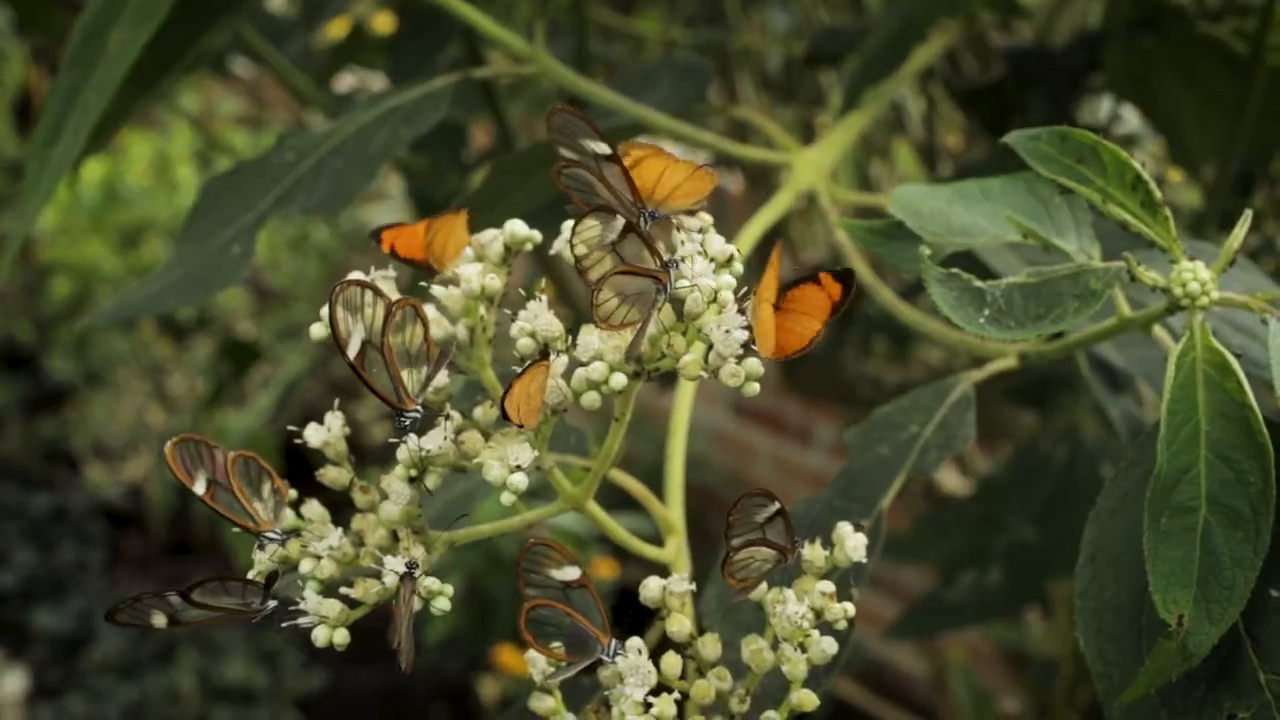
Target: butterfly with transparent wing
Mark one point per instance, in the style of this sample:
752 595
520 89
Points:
758 538
562 616
238 484
213 601
388 344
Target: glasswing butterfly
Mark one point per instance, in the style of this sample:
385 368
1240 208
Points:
758 538
562 616
525 395
388 344
239 484
434 244
786 321
644 184
213 601
402 634
630 280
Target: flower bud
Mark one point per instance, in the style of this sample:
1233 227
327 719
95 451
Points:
709 648
598 372
517 482
364 496
849 545
739 702
334 477
823 650
701 692
321 636
307 565
678 591
485 414
803 585
341 638
752 367
813 558
493 285
609 675
526 346
391 513
440 605
750 389
770 715
757 654
694 306
470 443
731 375
804 700
318 331
794 663
432 480
663 707
670 666
679 628
690 366
590 400
617 381
507 498
651 591
542 704
326 569
720 678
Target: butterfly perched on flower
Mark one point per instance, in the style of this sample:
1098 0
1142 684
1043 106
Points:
213 601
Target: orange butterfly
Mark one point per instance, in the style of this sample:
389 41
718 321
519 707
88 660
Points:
523 399
787 321
434 244
645 184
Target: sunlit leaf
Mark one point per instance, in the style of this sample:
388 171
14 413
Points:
1035 303
1104 175
889 241
308 171
107 39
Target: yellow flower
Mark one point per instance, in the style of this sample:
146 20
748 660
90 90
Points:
507 658
604 568
335 30
382 22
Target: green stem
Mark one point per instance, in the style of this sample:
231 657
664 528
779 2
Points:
766 126
1247 302
566 77
484 531
610 527
629 484
1105 330
674 490
623 407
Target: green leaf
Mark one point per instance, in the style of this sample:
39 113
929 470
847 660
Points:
105 42
184 38
1273 351
1114 618
1032 304
1104 175
308 171
1211 501
910 435
1018 208
889 241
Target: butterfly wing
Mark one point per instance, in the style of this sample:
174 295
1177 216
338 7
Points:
666 183
413 357
806 306
759 537
591 172
358 312
630 297
561 633
401 632
233 595
525 395
602 241
434 244
201 465
546 569
763 305
163 610
260 490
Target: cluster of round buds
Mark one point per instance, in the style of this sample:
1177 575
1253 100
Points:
670 596
1192 284
504 460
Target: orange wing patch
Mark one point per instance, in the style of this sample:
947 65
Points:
523 399
788 321
434 244
666 183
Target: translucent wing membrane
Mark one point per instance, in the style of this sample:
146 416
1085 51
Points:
357 315
525 395
414 357
630 297
759 537
203 466
401 632
591 172
215 601
434 244
563 634
260 490
546 569
602 241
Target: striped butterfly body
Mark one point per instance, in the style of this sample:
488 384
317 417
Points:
388 344
630 280
239 484
526 394
562 616
787 321
643 183
434 244
401 634
758 538
214 601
